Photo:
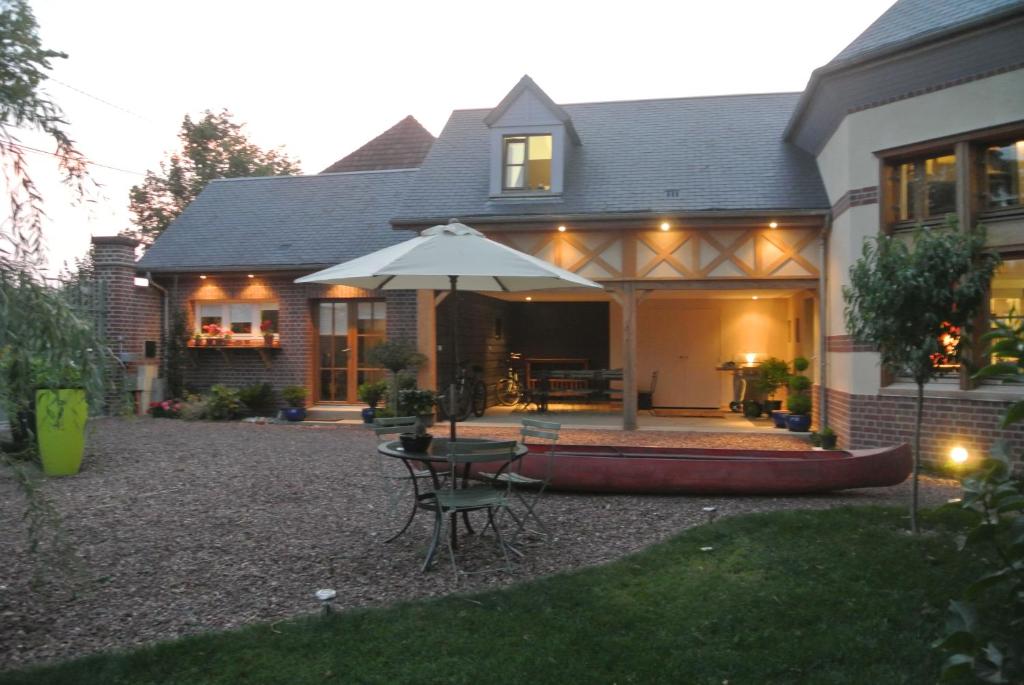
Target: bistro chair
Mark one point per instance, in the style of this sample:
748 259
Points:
452 500
401 480
528 490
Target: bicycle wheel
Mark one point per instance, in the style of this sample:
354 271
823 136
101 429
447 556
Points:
464 406
479 399
508 392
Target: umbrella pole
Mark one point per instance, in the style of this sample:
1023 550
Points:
452 401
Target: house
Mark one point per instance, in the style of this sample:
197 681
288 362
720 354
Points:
721 227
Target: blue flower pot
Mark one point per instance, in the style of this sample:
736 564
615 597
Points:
294 413
779 417
798 423
368 414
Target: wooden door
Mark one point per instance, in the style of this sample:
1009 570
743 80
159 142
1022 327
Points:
684 346
348 330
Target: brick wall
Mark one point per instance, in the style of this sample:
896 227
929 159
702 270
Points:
864 421
478 343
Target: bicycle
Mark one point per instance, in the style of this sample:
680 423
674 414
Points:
470 395
510 389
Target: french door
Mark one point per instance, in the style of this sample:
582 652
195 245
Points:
347 331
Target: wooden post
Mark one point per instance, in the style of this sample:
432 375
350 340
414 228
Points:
967 206
426 337
629 398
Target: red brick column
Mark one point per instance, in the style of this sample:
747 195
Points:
114 258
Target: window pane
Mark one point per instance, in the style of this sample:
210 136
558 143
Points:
380 317
514 177
326 318
367 343
515 150
241 318
1008 289
370 376
925 188
364 317
941 180
540 147
539 174
1004 174
340 318
325 385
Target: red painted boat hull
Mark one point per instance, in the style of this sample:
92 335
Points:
661 470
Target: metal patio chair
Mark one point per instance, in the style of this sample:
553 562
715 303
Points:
528 490
401 481
451 500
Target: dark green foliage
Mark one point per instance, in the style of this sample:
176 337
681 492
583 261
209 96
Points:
984 630
24 105
176 354
788 597
214 146
415 402
294 395
799 384
397 356
372 393
223 403
799 404
800 364
258 398
903 298
772 374
799 399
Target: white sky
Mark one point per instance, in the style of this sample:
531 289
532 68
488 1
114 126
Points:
322 78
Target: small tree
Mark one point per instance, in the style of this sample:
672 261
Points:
904 299
396 356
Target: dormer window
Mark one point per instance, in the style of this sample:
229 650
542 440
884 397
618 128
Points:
527 163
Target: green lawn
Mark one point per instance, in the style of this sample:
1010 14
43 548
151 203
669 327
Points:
842 596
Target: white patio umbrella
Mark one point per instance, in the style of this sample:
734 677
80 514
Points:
452 256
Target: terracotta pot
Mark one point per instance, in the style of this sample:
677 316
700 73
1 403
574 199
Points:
268 339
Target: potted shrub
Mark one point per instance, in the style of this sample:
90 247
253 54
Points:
799 401
197 338
371 393
418 441
396 356
772 375
62 410
419 403
825 438
295 396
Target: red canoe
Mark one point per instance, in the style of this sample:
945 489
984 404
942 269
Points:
592 468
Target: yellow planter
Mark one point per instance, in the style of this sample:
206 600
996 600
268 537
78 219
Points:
60 427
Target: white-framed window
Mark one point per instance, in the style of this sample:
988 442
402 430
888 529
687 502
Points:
241 318
527 162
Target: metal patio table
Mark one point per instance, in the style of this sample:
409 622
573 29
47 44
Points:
437 455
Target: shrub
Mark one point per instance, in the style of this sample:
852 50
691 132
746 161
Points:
223 403
798 404
372 393
258 398
168 409
193 409
416 402
800 364
799 384
772 375
294 395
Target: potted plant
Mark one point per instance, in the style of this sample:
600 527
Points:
419 403
825 438
267 329
371 393
197 338
212 332
228 334
799 400
62 410
396 356
295 396
772 375
418 441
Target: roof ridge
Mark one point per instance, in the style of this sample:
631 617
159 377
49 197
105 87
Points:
668 99
305 176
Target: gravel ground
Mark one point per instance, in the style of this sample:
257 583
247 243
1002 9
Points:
186 527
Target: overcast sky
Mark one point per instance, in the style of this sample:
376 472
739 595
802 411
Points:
322 78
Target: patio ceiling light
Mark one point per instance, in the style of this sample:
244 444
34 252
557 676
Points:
665 226
529 299
754 297
202 276
251 275
773 224
561 229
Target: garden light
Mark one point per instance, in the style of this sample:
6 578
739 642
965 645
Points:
325 597
958 455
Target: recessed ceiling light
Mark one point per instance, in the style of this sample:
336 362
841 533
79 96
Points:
202 276
529 299
665 226
251 275
754 297
561 229
773 224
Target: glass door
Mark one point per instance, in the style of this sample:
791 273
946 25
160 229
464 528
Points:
347 331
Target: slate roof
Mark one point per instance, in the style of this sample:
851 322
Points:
909 21
403 146
282 221
647 156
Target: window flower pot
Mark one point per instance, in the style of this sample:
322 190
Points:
60 427
294 413
798 423
779 418
268 339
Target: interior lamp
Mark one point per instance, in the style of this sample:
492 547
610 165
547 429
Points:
751 356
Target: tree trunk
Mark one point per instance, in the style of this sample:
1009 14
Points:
917 456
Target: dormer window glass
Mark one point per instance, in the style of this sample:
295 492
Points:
527 162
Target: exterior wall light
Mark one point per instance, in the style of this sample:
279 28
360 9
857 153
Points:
773 224
665 226
561 229
958 455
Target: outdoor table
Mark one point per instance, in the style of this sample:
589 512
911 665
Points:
438 454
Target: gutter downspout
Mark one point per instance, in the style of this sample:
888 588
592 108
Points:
167 307
823 326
